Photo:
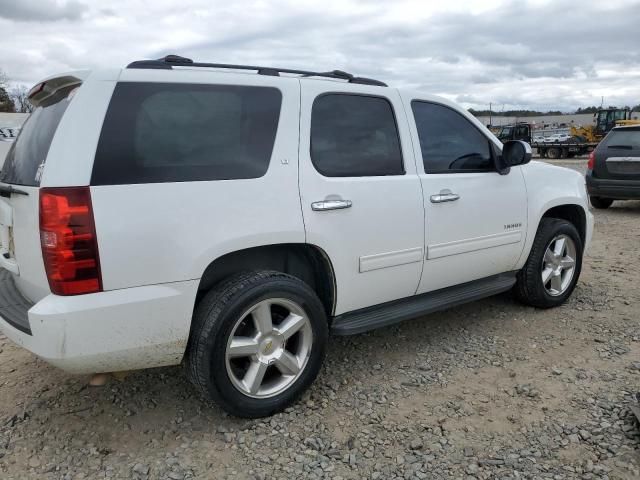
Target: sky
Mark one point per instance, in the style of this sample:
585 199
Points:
537 54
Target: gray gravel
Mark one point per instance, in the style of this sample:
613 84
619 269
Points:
487 390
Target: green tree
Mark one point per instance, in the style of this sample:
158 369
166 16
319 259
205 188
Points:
592 109
6 103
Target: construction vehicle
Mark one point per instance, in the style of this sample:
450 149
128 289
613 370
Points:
546 149
604 120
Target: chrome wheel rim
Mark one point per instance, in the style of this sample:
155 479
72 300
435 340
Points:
558 265
268 348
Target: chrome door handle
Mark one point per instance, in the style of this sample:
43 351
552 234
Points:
445 195
330 205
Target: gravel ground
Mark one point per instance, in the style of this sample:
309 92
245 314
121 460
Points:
492 389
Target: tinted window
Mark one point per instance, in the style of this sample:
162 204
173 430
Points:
354 136
156 132
30 149
449 142
624 139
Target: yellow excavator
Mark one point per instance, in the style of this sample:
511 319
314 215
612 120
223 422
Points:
605 119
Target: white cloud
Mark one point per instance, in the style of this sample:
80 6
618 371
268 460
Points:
535 54
41 10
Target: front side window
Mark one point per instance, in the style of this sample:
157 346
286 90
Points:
523 133
163 132
354 136
620 115
449 142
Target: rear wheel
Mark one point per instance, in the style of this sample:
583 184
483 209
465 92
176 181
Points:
553 267
257 343
553 153
600 203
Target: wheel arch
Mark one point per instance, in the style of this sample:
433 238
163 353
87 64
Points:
305 261
572 213
569 209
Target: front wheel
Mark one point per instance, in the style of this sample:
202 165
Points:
553 267
257 343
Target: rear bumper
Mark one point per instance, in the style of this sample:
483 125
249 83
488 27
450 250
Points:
616 189
126 329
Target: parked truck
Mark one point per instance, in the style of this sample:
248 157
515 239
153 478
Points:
546 149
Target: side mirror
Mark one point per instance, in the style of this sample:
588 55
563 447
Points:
514 152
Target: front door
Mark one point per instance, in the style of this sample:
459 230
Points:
475 218
361 197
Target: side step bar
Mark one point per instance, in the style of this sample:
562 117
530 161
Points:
389 313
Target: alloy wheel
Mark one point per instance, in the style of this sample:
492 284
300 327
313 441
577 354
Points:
558 265
268 348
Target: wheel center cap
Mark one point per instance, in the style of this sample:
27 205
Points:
270 346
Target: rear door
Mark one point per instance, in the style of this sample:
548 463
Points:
361 198
618 155
20 251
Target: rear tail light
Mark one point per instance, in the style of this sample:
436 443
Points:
592 160
68 239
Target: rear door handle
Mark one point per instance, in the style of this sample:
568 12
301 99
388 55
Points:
445 195
330 205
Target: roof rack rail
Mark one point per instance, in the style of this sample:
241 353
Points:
170 61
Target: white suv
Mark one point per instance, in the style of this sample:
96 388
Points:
232 217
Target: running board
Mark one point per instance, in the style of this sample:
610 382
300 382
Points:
389 313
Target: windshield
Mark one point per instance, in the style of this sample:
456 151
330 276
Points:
29 151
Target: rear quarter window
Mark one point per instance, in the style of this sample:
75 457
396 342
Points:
157 132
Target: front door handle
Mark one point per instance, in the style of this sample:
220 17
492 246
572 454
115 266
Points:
445 195
330 205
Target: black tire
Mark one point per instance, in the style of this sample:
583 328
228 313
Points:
553 153
600 203
214 320
529 288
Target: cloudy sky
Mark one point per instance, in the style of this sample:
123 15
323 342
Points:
534 54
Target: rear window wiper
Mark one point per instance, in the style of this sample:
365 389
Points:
625 147
7 190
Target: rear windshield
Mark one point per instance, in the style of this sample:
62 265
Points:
29 151
624 139
157 132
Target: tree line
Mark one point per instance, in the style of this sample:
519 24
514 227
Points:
13 100
535 113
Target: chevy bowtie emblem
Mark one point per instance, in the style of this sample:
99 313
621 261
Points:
268 347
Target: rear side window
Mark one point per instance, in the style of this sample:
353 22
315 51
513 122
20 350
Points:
449 142
354 136
28 153
624 139
157 132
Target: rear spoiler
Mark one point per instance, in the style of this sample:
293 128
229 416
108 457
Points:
43 90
